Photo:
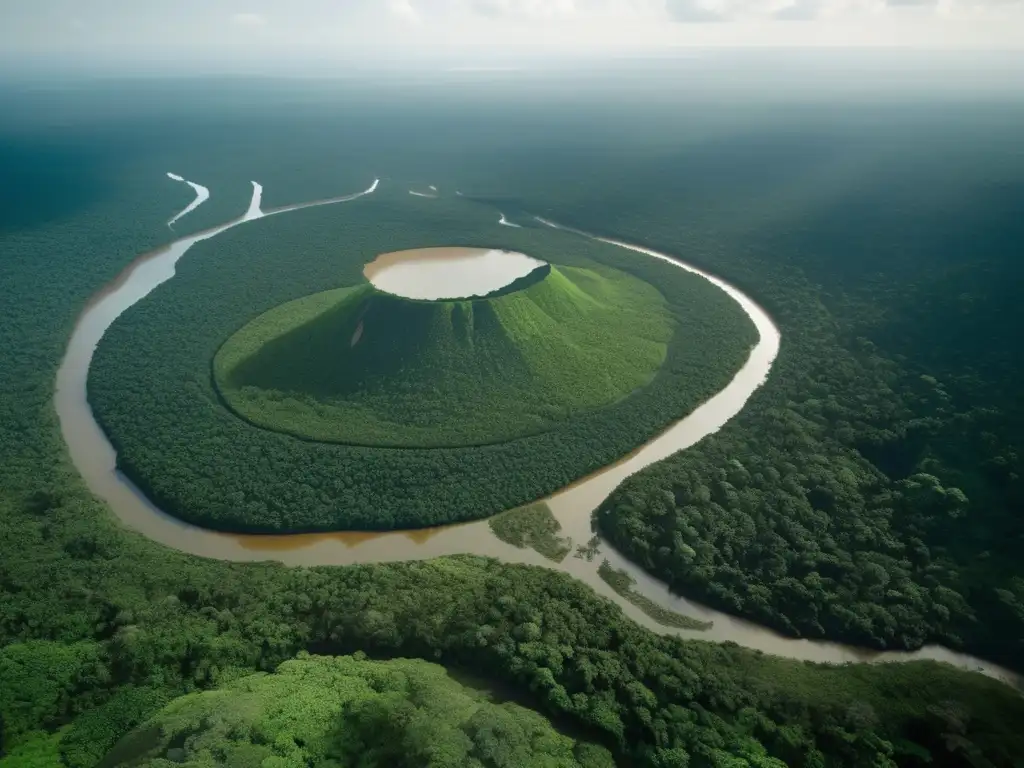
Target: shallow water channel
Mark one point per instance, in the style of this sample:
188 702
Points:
95 459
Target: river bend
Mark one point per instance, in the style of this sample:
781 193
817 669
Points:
95 458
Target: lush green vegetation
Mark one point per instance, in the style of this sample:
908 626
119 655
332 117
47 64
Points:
359 366
532 526
150 384
871 490
99 628
589 550
623 583
168 625
536 275
348 711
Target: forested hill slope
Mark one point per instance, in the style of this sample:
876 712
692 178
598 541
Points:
321 710
364 367
151 390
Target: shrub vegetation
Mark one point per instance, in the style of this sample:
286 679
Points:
619 580
533 526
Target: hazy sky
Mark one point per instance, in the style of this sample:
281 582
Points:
260 30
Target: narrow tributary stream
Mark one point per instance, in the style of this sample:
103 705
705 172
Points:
95 459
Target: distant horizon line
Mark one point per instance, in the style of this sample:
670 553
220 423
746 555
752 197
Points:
867 60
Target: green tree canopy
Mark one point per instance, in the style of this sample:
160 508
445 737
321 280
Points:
349 711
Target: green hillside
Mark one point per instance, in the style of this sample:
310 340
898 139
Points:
339 711
356 365
152 388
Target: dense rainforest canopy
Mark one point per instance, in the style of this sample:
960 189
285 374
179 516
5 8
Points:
100 629
338 711
871 491
151 389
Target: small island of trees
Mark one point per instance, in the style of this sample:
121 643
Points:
651 342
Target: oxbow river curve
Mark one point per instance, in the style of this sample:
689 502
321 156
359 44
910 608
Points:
95 458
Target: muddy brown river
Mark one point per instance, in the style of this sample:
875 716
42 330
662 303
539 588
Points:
94 457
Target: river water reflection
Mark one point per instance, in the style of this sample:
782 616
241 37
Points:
95 459
447 273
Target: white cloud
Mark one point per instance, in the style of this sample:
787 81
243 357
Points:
484 32
799 10
538 10
692 11
250 20
404 11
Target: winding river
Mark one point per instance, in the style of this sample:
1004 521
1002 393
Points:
202 195
95 459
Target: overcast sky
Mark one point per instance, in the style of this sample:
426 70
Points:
257 31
